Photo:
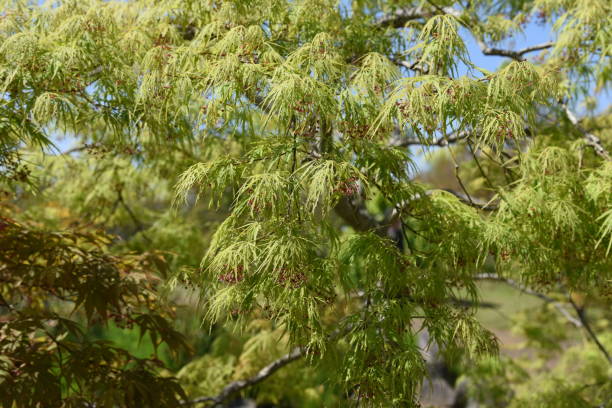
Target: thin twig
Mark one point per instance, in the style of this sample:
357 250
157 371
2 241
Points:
500 164
516 55
413 67
459 178
589 330
74 149
489 182
441 142
139 225
5 303
528 291
472 202
590 138
400 17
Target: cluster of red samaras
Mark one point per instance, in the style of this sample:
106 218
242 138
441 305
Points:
348 187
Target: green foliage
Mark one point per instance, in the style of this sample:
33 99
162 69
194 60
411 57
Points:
291 120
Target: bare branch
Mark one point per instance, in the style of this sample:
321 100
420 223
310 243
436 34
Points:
528 291
400 17
589 330
537 47
516 55
590 138
441 142
413 67
237 386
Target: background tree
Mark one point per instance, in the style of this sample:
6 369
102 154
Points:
296 121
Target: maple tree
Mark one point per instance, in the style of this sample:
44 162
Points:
260 156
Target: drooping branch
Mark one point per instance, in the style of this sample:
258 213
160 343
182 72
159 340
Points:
458 177
360 220
581 322
486 50
528 291
400 17
589 330
475 203
591 140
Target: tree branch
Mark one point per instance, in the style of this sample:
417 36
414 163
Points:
261 375
481 205
74 150
413 67
590 138
590 331
6 303
357 217
471 201
441 142
528 291
400 17
140 227
516 55
267 371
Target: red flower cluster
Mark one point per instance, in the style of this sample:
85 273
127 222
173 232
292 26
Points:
294 280
505 131
251 203
233 276
403 107
357 131
348 187
302 107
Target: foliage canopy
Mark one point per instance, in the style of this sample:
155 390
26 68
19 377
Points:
274 141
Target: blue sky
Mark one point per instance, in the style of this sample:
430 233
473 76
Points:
534 34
